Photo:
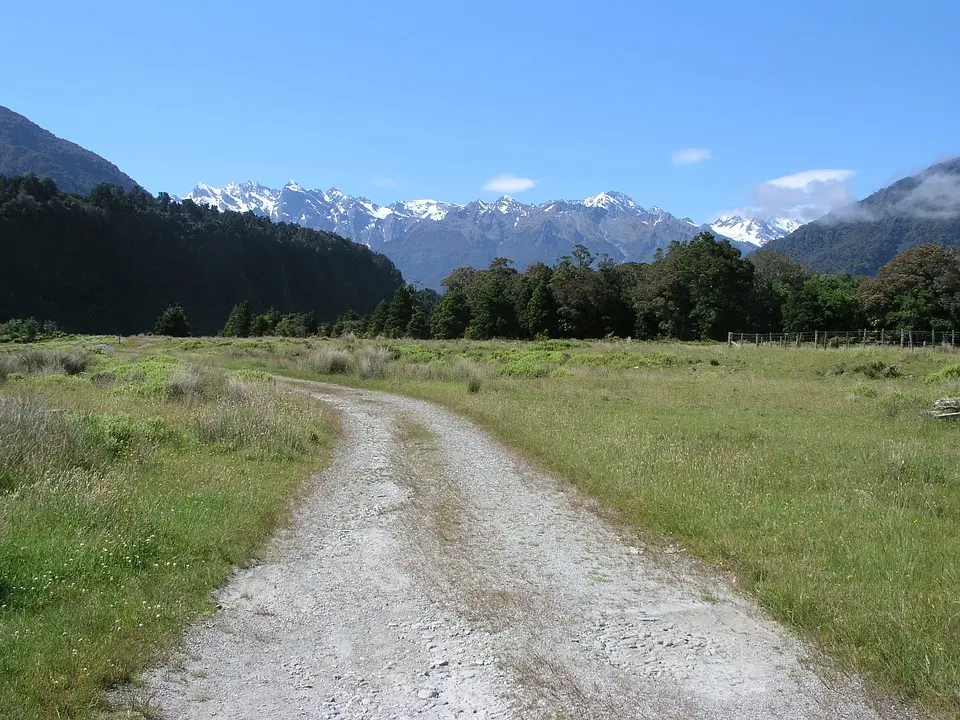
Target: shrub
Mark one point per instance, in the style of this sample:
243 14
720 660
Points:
28 330
861 389
524 367
950 372
172 322
877 369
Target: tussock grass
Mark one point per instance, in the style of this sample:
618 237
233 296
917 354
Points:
371 362
260 423
47 362
122 505
327 361
196 383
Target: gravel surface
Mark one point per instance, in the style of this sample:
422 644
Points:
433 573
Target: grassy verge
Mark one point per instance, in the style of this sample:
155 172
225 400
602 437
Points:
130 484
814 476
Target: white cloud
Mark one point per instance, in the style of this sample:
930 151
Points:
690 156
805 179
805 195
383 182
509 184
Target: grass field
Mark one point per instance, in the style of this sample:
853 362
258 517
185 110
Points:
130 484
814 476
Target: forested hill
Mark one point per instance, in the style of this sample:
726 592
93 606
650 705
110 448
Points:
113 260
860 239
26 148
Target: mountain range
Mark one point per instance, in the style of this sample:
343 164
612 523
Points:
25 148
863 237
427 239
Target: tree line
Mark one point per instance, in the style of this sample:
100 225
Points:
699 290
110 261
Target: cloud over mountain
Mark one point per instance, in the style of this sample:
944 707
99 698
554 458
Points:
804 195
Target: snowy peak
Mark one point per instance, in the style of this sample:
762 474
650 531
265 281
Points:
424 209
756 231
237 197
614 200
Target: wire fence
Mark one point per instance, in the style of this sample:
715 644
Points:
907 339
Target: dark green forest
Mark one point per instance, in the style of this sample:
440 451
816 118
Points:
112 261
695 291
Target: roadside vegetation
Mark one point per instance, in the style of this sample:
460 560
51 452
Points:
814 476
130 484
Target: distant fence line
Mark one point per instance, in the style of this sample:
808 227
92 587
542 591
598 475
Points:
909 339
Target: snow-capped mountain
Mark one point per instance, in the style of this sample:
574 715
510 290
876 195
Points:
756 231
428 238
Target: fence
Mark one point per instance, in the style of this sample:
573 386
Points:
849 338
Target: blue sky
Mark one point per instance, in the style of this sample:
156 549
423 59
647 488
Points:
692 106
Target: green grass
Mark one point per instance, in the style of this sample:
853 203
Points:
127 492
828 491
815 476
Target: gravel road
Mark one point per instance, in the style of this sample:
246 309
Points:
431 572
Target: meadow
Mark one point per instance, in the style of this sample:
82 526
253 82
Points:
130 485
815 478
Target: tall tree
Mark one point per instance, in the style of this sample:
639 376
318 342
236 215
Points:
703 289
399 312
918 289
238 322
450 316
173 322
823 302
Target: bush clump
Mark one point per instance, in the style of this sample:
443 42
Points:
524 367
945 374
877 369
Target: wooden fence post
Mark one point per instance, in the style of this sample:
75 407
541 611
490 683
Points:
729 339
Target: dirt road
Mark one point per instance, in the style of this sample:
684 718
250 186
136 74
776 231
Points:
433 573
